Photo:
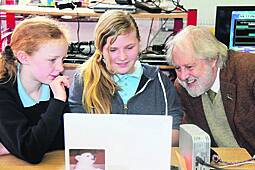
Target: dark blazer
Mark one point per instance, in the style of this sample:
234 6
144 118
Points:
237 85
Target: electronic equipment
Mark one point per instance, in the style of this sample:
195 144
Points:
79 52
153 59
146 6
102 7
235 27
193 142
64 5
242 31
125 2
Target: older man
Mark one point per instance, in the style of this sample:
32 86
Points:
216 86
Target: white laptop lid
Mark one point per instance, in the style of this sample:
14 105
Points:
117 142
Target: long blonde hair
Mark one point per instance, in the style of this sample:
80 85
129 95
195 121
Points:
27 36
99 86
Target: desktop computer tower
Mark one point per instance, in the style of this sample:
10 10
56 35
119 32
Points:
194 142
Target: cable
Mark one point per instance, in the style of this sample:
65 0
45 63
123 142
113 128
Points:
177 7
238 164
78 26
169 36
147 45
224 164
202 162
156 34
149 42
217 160
91 5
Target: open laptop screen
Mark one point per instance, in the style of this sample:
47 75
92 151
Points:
117 142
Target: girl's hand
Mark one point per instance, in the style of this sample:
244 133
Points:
58 87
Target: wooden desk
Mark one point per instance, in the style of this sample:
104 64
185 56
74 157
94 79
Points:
52 161
226 154
55 160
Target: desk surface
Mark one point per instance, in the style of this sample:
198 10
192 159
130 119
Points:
34 10
55 160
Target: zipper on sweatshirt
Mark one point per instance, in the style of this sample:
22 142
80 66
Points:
141 90
125 109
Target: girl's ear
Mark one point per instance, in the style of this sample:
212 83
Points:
23 57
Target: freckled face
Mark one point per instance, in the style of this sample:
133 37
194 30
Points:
47 63
122 54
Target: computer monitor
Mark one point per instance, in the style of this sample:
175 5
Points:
235 27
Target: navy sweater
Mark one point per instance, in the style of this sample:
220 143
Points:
29 133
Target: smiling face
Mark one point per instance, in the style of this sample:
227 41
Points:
46 64
121 55
194 74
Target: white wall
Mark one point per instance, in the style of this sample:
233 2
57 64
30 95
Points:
207 8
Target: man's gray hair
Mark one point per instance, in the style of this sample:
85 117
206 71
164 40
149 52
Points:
202 41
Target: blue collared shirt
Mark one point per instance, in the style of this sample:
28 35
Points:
129 82
28 101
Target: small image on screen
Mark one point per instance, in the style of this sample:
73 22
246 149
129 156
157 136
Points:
242 31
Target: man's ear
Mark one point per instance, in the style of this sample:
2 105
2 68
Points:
215 62
23 57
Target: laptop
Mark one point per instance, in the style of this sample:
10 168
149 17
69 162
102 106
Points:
117 142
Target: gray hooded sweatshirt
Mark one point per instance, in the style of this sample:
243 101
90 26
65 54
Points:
155 95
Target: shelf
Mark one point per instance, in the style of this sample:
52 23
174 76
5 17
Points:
70 66
12 10
34 10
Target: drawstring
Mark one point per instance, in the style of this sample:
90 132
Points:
164 93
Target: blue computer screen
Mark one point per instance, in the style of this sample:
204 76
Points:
242 31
